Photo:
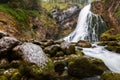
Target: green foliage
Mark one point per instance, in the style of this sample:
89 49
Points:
49 6
19 14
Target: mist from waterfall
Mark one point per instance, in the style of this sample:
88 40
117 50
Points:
89 27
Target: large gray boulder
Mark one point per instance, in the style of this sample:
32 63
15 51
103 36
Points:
32 53
7 43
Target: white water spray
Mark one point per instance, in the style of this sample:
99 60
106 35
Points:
110 59
89 26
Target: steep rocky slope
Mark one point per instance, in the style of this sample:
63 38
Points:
26 23
110 11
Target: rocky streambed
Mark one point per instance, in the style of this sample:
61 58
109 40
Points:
50 60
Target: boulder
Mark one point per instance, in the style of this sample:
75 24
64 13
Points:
67 48
110 76
52 50
60 67
7 43
84 67
12 74
60 53
113 48
47 43
85 44
32 53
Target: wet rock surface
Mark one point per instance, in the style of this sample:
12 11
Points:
84 44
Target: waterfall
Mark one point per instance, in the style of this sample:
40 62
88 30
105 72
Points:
89 27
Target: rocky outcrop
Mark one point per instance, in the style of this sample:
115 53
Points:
108 9
67 19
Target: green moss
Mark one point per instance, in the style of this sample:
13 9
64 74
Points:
49 6
78 67
118 37
117 13
110 76
60 53
3 78
79 52
108 35
19 14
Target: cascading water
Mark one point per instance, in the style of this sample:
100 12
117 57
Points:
110 59
89 27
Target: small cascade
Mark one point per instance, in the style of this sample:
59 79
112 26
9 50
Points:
89 27
110 59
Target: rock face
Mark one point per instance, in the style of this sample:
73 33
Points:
85 67
32 53
109 10
67 19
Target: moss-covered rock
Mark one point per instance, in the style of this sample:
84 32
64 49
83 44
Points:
60 67
118 37
85 67
12 74
79 52
109 43
110 76
67 48
108 35
33 71
113 48
3 78
52 50
60 53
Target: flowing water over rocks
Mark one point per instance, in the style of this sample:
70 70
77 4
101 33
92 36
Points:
89 26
